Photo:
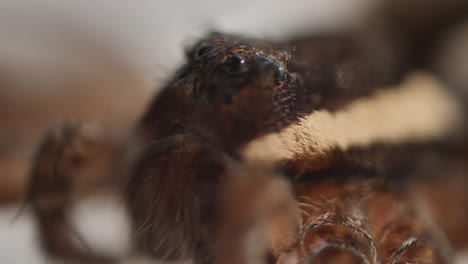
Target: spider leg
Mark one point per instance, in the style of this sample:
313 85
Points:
72 160
337 230
365 222
404 232
258 217
444 197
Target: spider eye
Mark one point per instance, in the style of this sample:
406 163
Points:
202 50
235 65
279 74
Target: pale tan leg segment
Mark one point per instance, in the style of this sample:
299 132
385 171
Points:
73 159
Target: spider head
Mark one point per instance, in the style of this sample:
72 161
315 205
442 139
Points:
226 66
240 87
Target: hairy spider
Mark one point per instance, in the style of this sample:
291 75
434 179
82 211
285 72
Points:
307 151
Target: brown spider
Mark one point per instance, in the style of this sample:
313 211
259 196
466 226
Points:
307 151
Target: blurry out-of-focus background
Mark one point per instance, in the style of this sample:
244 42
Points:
102 61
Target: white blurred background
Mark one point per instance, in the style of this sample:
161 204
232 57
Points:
102 60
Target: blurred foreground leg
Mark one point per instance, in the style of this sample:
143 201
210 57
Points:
73 159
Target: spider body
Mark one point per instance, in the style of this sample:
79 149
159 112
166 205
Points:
231 91
272 152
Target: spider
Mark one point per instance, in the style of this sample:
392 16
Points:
312 150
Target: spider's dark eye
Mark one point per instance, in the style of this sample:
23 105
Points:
235 65
202 50
279 74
